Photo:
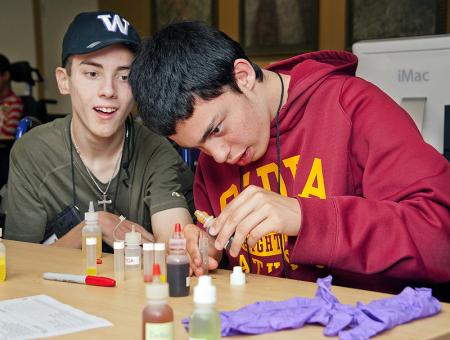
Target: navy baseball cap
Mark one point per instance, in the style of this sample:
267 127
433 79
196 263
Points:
91 31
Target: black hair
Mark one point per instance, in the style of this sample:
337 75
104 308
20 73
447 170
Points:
5 66
182 62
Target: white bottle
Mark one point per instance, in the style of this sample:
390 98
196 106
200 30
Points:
148 253
91 256
2 259
133 251
119 261
204 322
91 229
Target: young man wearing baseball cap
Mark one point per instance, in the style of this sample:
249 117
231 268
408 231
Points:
98 153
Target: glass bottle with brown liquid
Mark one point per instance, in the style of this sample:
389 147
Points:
157 317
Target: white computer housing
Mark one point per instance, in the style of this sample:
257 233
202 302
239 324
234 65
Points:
415 72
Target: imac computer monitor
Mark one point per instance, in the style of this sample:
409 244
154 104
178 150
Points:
415 72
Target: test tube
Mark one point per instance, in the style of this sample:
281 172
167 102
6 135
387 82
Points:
160 258
148 261
119 261
91 256
203 245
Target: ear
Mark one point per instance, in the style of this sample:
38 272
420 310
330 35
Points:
62 78
244 74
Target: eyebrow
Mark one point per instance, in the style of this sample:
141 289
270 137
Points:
208 131
91 63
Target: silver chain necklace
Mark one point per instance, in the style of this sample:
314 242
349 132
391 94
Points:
103 201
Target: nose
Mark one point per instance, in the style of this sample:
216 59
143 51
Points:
218 150
107 88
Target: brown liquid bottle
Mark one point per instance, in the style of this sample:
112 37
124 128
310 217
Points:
157 317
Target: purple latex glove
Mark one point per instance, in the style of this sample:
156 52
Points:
270 316
381 315
349 322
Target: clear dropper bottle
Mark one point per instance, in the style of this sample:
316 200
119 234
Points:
204 322
91 229
133 250
91 256
119 261
147 260
207 222
2 258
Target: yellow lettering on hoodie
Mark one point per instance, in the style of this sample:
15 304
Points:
232 192
243 263
291 163
264 171
315 178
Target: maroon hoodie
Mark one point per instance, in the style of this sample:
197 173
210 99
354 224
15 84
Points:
374 196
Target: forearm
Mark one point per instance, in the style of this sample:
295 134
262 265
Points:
404 240
163 222
72 239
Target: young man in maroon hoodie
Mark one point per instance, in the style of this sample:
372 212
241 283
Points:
312 169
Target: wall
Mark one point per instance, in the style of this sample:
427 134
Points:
17 39
56 16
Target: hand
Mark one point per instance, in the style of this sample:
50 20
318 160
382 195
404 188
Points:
192 235
254 213
108 221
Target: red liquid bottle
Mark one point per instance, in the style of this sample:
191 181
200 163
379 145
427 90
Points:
178 265
157 317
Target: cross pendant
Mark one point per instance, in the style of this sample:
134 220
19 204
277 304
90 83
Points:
104 202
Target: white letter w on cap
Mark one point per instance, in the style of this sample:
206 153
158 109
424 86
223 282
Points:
117 22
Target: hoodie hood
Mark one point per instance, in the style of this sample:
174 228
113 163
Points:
307 72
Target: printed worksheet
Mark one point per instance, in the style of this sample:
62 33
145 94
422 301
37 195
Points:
40 316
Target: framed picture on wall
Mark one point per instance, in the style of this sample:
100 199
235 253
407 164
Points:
391 19
278 27
168 11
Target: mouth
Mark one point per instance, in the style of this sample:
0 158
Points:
105 111
245 158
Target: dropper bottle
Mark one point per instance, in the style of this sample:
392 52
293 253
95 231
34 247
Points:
157 317
207 221
204 322
91 229
178 265
133 251
2 258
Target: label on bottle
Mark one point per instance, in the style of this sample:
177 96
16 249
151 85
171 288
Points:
188 281
159 331
132 260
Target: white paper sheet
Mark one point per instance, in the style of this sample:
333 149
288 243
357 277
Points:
40 316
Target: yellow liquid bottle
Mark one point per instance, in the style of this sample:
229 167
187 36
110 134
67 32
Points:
2 259
91 229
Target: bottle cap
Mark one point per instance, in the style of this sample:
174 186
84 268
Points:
177 227
91 215
133 237
156 269
237 277
148 246
157 291
204 291
119 244
160 246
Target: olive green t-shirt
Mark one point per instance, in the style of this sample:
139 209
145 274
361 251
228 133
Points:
40 180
